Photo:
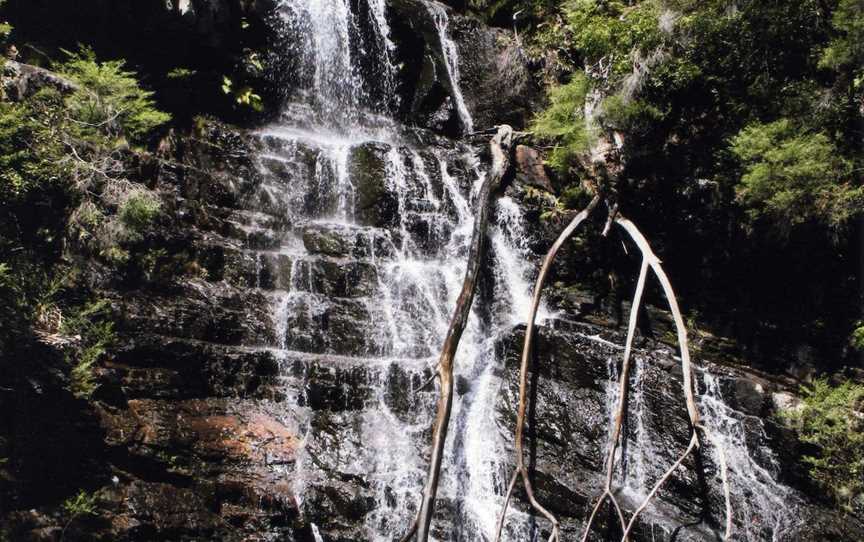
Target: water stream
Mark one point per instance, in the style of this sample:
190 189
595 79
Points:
411 263
373 261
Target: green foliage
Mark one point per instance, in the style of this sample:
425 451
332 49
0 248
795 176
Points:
92 323
109 102
792 177
82 504
564 123
856 340
502 11
139 211
180 74
832 419
629 115
29 147
243 95
613 31
846 50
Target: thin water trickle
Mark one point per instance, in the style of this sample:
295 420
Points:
769 511
451 62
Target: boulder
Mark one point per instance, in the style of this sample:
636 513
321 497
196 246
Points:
20 81
530 170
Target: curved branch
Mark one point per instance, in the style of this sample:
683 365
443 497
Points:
654 262
521 469
500 148
623 388
692 409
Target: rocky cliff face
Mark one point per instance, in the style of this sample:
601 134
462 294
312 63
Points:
275 389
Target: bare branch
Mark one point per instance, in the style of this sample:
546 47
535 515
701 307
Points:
622 400
500 148
521 469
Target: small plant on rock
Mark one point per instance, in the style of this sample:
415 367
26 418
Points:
82 504
832 419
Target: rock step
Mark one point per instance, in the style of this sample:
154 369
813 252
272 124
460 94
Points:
201 310
349 240
363 327
163 367
373 182
322 384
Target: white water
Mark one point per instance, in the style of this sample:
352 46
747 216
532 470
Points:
417 261
416 264
451 61
764 509
770 509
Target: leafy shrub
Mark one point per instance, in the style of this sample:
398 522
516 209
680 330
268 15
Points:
564 123
82 504
93 325
613 31
110 101
832 419
29 147
244 95
139 211
629 115
792 177
847 49
857 337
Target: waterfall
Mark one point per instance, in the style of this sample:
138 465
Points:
765 509
769 512
379 228
451 61
361 232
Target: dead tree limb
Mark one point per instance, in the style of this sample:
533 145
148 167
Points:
521 469
649 259
692 410
500 148
623 387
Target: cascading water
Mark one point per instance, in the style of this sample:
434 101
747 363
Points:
369 260
371 292
451 62
764 509
769 512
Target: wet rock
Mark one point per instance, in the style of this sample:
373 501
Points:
335 326
495 79
343 241
337 279
202 311
575 371
250 269
530 170
425 89
322 240
374 203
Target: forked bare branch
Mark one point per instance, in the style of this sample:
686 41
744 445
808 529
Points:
521 469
